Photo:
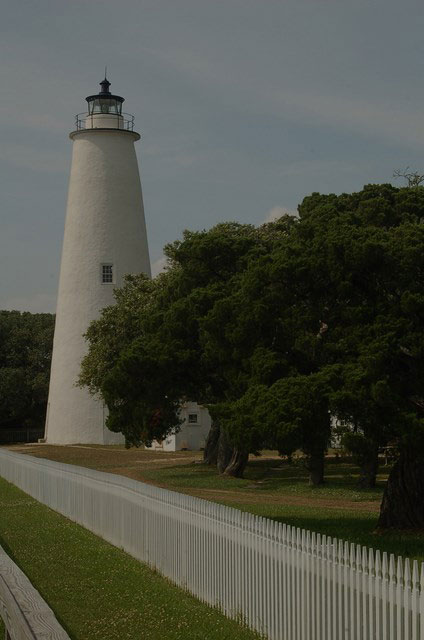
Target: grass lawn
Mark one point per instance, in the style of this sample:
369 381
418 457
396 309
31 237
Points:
271 488
97 590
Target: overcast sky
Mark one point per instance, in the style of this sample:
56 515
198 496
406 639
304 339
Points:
244 106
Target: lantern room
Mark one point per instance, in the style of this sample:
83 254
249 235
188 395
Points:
104 111
104 101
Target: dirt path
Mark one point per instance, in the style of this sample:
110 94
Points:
112 459
134 462
241 497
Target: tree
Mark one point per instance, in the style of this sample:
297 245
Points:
328 297
375 327
413 178
143 372
25 355
289 415
276 327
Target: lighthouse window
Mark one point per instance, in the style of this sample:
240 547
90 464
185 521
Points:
107 273
192 418
104 105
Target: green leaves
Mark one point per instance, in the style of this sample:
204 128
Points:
274 327
25 354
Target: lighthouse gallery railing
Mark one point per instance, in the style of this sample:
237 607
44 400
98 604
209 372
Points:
124 121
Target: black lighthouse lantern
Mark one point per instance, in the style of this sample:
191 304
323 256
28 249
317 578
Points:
104 101
104 104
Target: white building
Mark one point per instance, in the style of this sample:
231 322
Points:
193 432
105 238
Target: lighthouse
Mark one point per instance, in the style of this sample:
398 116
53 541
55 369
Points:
105 239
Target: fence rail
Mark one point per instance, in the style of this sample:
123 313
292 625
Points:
287 583
25 614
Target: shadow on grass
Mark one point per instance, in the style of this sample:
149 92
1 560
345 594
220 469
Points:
275 477
359 528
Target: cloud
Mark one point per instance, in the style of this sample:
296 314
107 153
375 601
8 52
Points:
158 266
277 212
35 303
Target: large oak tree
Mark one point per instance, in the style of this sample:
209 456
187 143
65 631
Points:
276 329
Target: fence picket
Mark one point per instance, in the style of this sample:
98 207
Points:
364 589
392 595
415 602
421 605
399 598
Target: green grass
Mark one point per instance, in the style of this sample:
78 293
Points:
97 590
2 629
356 527
322 509
277 477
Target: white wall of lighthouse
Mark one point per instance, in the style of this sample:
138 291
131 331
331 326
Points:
105 238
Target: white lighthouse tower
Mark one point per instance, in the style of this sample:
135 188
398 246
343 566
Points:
105 238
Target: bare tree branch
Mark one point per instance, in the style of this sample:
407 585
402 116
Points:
413 178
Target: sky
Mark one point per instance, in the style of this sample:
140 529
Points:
244 106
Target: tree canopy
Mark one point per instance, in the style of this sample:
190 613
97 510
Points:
26 341
280 330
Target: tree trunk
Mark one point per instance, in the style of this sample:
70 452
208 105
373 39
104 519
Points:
315 466
210 454
225 451
402 506
369 468
237 464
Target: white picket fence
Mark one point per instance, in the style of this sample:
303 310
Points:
287 583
